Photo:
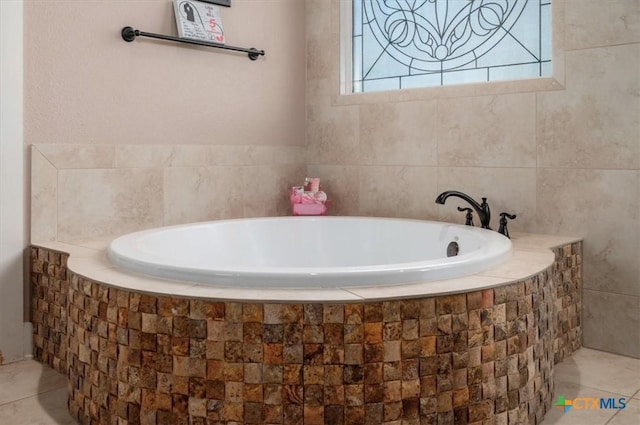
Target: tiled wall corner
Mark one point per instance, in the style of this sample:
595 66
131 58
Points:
81 191
44 198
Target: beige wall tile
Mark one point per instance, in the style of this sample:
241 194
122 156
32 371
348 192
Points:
611 322
108 202
320 92
44 198
266 188
603 207
593 23
398 133
341 183
193 194
509 190
332 135
319 63
489 131
595 122
161 155
273 155
78 156
389 191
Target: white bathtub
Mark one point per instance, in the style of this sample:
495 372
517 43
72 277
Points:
314 252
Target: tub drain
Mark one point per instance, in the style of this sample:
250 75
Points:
452 249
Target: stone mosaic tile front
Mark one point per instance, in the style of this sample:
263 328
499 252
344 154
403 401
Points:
484 357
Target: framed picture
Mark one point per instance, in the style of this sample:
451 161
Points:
199 21
226 3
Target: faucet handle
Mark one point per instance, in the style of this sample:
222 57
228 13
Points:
469 217
503 223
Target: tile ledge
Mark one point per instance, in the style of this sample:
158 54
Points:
523 243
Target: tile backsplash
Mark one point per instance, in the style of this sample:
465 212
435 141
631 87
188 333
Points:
80 191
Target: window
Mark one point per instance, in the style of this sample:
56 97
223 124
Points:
400 44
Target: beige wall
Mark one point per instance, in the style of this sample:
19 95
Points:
84 84
563 155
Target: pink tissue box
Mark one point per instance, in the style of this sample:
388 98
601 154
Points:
309 209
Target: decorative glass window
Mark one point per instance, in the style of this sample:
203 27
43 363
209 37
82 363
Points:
399 44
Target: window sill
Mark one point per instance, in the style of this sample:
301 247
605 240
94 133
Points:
443 92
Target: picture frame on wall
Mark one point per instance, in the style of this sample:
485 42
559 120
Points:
199 20
226 3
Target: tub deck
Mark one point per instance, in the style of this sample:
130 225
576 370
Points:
478 350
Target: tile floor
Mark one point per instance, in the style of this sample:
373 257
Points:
34 394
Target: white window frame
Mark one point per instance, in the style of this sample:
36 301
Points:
346 95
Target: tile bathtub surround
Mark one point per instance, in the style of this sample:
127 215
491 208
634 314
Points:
485 356
80 191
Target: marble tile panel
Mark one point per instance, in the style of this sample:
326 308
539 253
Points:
610 322
273 155
487 131
318 17
44 198
535 241
202 193
599 369
521 263
266 188
95 243
256 155
322 40
629 415
64 156
89 263
322 62
593 23
162 156
389 191
398 133
594 123
47 409
228 155
506 189
27 378
320 92
106 202
372 293
79 251
603 207
341 183
273 295
332 135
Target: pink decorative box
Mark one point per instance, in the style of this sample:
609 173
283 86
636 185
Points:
309 209
305 202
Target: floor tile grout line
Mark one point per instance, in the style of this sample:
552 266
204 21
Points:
594 388
32 395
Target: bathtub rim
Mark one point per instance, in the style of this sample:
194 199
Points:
497 249
531 254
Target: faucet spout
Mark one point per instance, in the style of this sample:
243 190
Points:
482 209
